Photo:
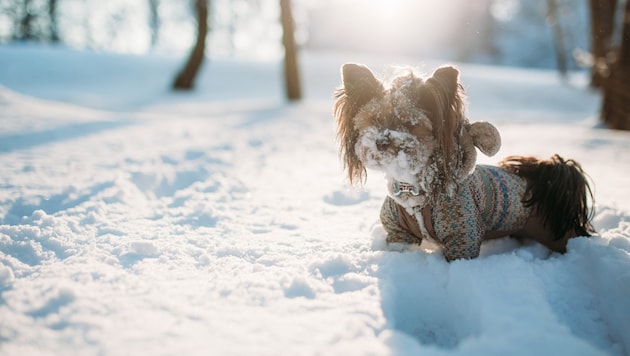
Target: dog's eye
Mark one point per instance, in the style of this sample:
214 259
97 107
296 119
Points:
411 125
382 143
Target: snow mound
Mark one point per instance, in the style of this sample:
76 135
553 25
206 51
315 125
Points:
219 223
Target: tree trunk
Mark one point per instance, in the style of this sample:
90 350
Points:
291 71
25 32
558 38
602 26
52 14
616 104
624 52
186 78
154 21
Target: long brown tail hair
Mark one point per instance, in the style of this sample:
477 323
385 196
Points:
559 191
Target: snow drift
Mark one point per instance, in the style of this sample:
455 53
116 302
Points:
133 220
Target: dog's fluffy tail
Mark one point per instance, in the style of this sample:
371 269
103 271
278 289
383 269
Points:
559 191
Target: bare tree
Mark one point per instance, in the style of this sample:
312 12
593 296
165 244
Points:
25 31
558 40
291 70
154 21
186 77
616 106
52 14
602 14
33 20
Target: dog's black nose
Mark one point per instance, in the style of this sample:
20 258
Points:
382 143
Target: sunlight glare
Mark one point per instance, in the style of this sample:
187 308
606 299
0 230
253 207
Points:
402 26
504 10
389 9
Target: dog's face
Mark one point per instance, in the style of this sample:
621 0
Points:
413 129
394 134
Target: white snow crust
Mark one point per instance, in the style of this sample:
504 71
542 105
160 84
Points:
134 220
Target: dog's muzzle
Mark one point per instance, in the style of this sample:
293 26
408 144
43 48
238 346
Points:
401 187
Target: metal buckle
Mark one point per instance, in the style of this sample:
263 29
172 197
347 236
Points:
400 187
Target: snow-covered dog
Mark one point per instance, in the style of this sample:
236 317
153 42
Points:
415 130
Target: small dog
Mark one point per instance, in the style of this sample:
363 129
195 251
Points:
415 130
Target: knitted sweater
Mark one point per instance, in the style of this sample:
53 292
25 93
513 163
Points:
490 199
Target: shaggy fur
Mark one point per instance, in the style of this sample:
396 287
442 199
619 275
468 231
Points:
414 129
559 191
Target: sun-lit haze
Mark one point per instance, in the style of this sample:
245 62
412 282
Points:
398 26
483 31
486 31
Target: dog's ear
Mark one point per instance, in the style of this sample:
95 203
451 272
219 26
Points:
359 87
359 84
448 77
444 99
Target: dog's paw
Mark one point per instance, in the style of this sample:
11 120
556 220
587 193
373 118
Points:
379 241
379 238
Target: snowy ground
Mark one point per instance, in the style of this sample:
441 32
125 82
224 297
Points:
138 221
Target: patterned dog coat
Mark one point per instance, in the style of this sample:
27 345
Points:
489 200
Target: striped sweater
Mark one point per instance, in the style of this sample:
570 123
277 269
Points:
489 200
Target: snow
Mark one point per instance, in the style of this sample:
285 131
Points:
134 220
